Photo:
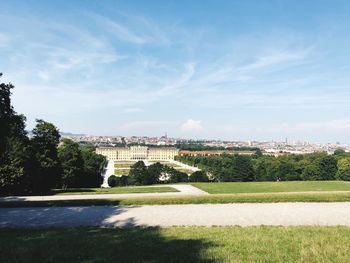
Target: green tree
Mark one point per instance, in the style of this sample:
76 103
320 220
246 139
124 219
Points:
258 153
243 169
339 151
198 176
287 170
93 164
47 169
343 172
175 176
72 164
124 180
15 152
310 172
154 172
138 174
327 168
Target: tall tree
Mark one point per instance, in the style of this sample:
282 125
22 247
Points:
44 142
243 169
344 169
93 164
72 164
15 153
138 174
154 172
327 168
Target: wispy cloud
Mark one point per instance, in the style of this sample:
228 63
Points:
150 74
191 126
275 58
122 32
139 31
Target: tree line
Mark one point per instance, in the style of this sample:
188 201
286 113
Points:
140 174
36 165
258 167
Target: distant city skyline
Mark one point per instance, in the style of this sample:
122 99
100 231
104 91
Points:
229 70
285 141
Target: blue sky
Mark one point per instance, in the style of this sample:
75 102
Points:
237 70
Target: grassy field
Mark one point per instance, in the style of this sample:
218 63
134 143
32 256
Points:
121 171
115 190
209 199
177 244
273 187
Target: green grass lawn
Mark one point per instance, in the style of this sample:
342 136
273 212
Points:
115 190
121 171
177 244
273 187
209 199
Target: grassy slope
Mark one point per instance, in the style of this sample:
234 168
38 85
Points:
115 190
209 199
273 187
179 244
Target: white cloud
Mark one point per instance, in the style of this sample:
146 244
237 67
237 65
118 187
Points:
191 125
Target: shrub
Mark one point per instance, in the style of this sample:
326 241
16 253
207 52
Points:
123 180
177 176
198 176
113 181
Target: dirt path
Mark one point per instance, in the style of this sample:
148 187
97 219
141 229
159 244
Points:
184 190
286 214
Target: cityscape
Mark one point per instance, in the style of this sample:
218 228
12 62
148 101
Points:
270 147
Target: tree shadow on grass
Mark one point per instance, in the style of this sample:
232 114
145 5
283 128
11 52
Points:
99 245
25 237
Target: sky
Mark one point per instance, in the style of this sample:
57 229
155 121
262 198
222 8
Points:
231 70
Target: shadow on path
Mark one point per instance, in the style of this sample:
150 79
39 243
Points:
60 216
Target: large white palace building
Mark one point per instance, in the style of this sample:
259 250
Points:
138 153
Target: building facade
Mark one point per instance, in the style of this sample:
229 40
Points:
138 153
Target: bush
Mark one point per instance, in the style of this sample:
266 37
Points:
123 180
177 177
113 181
198 176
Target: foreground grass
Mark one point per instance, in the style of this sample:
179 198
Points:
177 244
272 187
115 190
208 199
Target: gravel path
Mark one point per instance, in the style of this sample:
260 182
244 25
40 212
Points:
287 214
185 190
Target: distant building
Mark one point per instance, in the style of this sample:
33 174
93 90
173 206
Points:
138 153
212 152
